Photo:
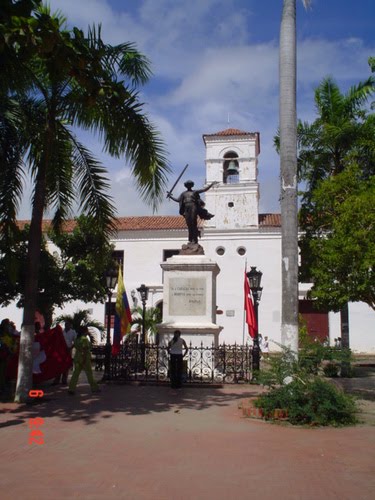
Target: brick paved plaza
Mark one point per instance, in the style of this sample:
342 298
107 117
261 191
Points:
152 442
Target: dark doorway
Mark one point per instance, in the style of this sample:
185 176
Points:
316 320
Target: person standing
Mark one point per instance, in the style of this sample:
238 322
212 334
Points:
177 349
82 361
7 349
70 336
265 348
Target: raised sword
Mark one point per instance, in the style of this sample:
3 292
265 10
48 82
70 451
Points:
178 178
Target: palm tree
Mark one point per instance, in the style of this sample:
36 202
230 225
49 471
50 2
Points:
152 319
77 86
343 128
343 132
288 176
79 318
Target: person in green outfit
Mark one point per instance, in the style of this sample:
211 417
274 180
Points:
82 361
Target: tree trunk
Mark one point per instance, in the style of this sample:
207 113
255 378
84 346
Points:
288 177
344 318
25 360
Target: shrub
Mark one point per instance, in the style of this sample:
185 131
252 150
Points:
331 370
313 402
298 390
279 367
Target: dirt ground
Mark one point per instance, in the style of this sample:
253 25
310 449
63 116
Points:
152 442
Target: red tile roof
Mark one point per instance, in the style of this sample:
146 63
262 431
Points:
156 223
150 223
229 131
270 220
68 225
232 132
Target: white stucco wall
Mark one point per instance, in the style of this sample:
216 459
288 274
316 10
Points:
143 253
361 327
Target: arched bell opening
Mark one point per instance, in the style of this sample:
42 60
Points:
231 171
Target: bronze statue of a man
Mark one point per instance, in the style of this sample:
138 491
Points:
192 206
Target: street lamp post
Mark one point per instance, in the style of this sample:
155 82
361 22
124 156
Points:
111 282
255 277
143 292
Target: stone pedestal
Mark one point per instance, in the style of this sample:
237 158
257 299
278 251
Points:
189 302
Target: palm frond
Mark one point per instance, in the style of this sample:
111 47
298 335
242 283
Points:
57 16
358 95
123 59
329 100
12 150
126 131
60 192
140 142
92 186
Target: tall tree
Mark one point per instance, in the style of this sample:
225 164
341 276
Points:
341 251
342 133
288 175
72 81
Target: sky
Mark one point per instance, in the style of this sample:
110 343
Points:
215 66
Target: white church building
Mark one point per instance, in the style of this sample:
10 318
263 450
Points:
237 237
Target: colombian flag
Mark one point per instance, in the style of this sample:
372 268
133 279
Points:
123 316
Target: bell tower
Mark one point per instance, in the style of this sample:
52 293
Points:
232 161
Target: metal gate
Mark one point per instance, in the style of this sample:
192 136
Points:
224 364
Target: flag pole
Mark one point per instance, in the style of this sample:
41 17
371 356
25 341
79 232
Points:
244 314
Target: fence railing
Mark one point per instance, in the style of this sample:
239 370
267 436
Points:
210 365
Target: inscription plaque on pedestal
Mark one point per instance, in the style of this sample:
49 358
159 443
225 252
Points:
187 296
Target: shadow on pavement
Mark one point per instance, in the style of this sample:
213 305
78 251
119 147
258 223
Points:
127 399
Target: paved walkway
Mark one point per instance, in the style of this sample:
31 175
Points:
149 442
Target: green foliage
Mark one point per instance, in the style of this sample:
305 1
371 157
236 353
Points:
331 370
337 216
342 251
85 255
371 62
279 368
312 358
296 386
312 402
75 272
79 318
152 319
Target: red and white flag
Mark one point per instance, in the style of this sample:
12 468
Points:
249 308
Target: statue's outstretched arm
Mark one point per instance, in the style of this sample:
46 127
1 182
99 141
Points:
208 187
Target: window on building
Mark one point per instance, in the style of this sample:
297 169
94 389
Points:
231 171
169 253
118 257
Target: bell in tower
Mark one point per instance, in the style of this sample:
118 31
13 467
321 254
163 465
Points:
231 170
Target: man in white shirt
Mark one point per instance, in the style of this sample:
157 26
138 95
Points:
70 336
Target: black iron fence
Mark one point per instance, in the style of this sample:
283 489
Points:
210 365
